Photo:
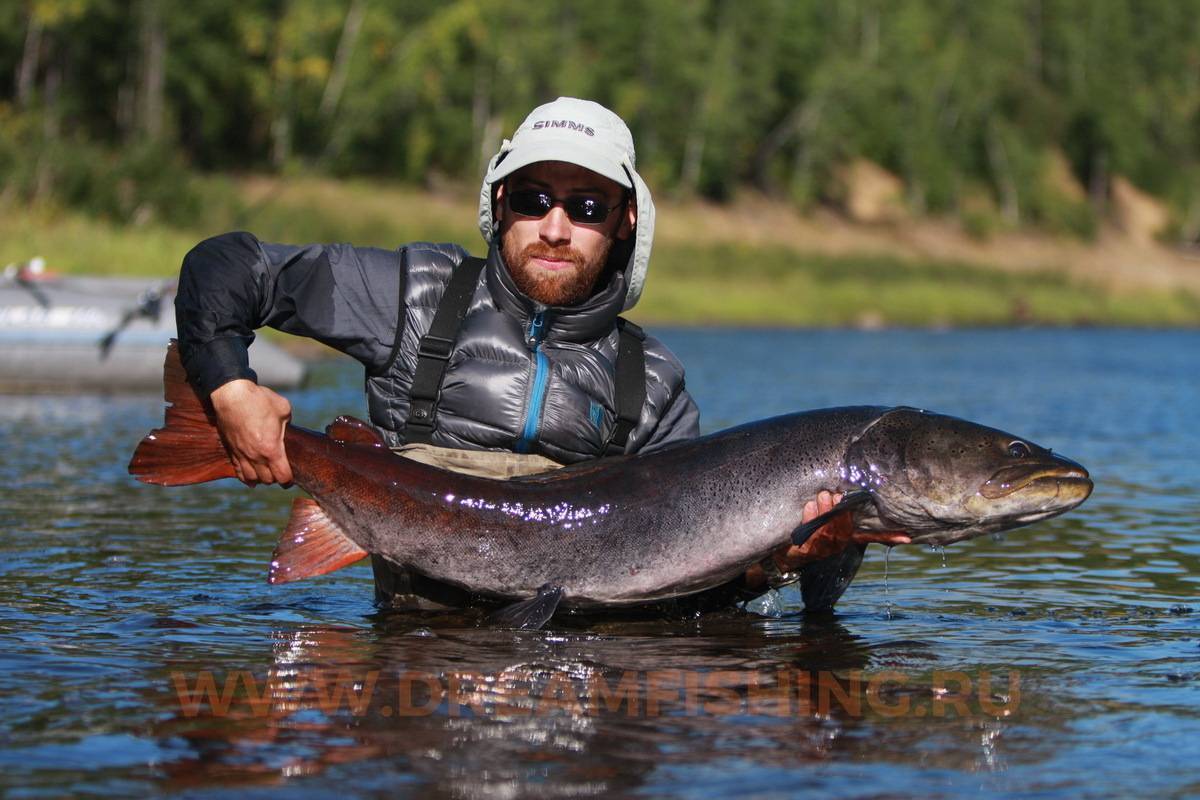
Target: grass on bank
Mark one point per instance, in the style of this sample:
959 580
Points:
731 283
744 285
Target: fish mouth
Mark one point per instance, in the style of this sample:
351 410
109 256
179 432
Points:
1036 492
1069 479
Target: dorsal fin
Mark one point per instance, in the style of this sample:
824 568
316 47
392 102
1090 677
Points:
353 430
312 544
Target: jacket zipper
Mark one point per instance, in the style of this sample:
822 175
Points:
541 377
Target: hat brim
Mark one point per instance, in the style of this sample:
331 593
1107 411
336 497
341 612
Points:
571 151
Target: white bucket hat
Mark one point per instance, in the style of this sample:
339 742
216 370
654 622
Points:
588 134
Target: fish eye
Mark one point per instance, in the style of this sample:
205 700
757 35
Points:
1019 449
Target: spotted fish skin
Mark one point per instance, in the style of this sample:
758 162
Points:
620 531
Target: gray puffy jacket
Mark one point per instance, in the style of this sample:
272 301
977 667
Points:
522 376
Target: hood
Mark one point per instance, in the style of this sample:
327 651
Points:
533 142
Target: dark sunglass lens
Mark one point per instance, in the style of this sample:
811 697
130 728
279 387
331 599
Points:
530 203
586 209
534 203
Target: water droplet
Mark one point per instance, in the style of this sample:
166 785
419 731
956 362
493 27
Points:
887 597
768 605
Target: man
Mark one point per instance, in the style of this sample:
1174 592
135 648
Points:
470 361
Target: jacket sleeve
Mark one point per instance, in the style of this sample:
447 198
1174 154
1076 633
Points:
230 285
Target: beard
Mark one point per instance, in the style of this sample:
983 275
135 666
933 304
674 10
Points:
565 287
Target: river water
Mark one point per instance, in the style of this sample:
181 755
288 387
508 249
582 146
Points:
1060 661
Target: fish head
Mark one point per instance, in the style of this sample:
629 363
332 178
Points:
944 479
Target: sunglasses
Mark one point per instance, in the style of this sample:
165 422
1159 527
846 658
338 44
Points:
580 208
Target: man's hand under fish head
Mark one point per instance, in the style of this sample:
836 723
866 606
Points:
830 539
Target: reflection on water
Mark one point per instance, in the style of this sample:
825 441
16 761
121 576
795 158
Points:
488 713
142 650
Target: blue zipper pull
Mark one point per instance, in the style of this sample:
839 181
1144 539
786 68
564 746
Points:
541 376
536 328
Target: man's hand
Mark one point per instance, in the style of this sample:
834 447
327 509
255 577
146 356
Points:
830 539
251 419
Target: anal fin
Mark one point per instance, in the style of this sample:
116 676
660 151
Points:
531 614
311 544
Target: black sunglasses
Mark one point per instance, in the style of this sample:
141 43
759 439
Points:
580 208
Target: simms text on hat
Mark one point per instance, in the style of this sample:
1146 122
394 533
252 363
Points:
563 123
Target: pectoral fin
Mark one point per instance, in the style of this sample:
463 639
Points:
531 614
849 502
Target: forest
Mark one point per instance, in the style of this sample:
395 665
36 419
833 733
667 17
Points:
1010 113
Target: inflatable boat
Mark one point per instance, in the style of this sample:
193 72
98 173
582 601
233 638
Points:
85 334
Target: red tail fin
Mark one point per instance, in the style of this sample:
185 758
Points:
188 449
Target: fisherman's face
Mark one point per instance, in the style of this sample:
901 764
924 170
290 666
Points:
553 259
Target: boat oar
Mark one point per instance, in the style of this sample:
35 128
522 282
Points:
149 305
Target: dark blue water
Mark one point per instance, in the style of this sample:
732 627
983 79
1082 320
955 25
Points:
1061 661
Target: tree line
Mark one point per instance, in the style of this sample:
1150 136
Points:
967 102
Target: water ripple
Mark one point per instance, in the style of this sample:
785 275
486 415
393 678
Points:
1030 665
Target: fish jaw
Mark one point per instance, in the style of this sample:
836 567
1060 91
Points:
1063 473
1014 500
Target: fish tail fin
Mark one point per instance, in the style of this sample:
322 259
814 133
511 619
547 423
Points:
311 544
188 448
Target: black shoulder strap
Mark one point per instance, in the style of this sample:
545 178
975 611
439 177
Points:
630 385
435 349
401 315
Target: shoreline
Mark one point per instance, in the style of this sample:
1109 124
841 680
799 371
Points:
752 263
310 350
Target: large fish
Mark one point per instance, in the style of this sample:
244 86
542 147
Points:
631 529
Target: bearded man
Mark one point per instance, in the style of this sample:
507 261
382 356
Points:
507 365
